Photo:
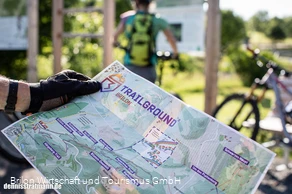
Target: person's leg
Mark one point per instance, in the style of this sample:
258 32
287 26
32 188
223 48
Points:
148 73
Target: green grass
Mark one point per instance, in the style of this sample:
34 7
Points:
190 86
260 38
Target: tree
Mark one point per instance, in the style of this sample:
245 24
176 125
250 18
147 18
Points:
276 30
259 21
14 63
232 30
121 6
276 33
288 26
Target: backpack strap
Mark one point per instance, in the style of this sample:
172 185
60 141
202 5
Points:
150 29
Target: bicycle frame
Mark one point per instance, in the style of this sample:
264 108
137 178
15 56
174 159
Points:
272 80
250 96
253 88
162 57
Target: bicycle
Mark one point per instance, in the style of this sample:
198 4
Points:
248 109
162 57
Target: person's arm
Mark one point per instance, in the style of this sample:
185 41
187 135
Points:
120 29
121 26
45 95
171 39
23 94
4 86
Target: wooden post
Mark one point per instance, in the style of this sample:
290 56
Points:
32 51
108 24
212 54
57 34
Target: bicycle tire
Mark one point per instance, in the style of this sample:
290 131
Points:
13 157
244 102
7 150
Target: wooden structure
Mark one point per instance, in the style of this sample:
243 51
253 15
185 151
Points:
108 25
58 12
32 51
57 33
212 54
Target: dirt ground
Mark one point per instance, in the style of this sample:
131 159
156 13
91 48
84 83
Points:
276 182
273 183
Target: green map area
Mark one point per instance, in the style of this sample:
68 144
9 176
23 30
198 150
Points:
132 137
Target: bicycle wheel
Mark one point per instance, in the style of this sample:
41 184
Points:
7 150
239 113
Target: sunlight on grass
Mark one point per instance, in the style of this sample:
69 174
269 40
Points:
258 38
190 86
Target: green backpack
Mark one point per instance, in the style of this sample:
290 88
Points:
141 42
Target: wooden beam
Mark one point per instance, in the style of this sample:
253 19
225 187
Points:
83 10
108 24
212 54
33 37
73 35
57 34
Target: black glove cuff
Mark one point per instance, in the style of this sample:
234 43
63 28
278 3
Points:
36 98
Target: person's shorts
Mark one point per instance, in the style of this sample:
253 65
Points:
148 72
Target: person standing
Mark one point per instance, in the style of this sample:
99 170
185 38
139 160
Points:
141 29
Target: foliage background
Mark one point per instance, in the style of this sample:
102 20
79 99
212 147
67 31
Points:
237 69
85 55
80 54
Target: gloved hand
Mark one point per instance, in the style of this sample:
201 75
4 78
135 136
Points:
59 89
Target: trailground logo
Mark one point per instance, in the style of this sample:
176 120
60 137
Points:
127 95
112 82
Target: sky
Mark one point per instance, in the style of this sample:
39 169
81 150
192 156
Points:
247 8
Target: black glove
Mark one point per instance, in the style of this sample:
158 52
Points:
59 89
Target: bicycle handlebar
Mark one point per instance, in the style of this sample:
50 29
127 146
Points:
269 63
166 55
162 55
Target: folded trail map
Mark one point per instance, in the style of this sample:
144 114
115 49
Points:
133 137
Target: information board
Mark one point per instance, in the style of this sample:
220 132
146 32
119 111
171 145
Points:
13 25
